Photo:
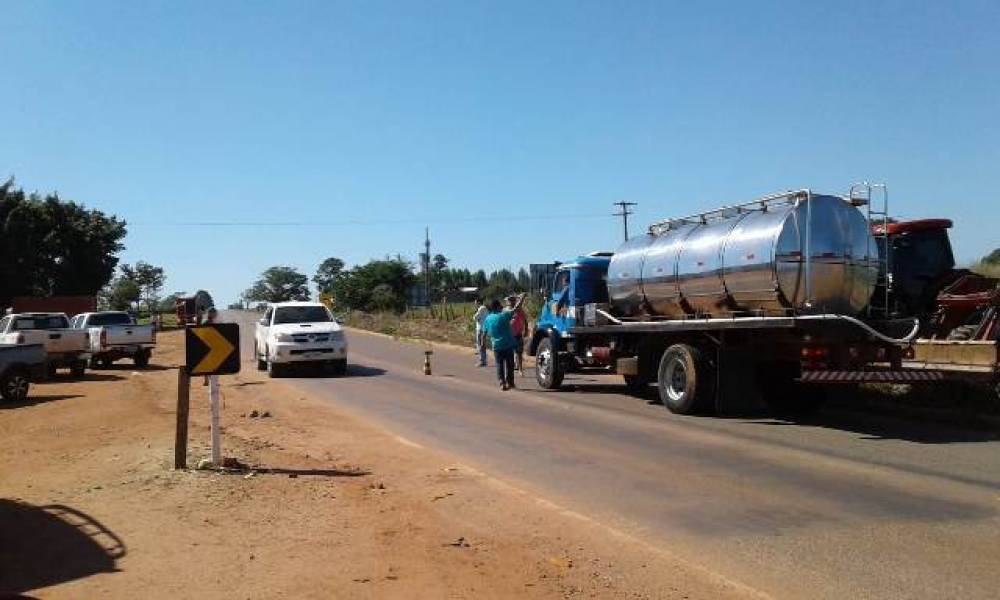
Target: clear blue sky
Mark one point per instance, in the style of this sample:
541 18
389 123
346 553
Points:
355 123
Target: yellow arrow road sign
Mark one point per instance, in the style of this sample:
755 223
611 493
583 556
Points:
219 349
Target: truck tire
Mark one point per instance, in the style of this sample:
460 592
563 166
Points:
78 369
142 359
14 385
548 371
261 361
684 380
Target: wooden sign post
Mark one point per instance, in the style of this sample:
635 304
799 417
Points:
210 350
183 402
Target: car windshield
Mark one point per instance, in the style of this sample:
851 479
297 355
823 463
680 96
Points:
40 322
110 319
301 314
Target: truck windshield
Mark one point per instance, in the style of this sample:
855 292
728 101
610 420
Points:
109 319
40 322
301 314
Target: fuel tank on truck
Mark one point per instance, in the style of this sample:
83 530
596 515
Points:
750 259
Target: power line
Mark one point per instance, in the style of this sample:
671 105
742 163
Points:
625 212
366 222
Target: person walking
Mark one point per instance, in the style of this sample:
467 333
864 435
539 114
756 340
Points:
478 318
519 327
497 327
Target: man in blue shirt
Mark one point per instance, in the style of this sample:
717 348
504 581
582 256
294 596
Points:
497 327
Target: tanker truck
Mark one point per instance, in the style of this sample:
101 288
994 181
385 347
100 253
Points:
779 296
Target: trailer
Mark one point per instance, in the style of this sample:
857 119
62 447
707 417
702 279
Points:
781 296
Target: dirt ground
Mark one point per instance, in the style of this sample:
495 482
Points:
90 506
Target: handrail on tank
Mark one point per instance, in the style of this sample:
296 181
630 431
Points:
702 217
789 196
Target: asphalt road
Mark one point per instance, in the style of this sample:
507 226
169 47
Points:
846 505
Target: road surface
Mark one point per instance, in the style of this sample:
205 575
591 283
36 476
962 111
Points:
848 505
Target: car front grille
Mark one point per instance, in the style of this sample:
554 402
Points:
308 338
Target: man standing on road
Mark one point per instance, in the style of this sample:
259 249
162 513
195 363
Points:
478 318
519 325
497 326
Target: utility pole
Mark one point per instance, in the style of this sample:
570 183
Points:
427 265
625 212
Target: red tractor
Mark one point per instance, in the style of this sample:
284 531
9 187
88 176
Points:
959 310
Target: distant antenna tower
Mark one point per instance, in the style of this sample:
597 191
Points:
625 212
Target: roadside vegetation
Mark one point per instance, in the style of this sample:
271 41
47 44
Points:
989 265
380 295
54 247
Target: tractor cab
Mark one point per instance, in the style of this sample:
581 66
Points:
574 285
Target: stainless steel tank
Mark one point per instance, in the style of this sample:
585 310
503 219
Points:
750 259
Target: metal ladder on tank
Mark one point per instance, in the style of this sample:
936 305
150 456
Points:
878 222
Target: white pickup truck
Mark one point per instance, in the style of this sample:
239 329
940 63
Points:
299 332
114 335
64 347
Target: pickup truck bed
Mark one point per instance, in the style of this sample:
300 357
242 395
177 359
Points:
64 346
114 335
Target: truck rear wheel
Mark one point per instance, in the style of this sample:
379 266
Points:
14 385
684 380
548 371
142 359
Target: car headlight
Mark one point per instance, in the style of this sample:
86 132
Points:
336 336
284 337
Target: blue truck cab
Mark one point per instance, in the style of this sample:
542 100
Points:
574 285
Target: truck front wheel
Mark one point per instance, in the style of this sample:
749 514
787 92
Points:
684 380
548 371
14 385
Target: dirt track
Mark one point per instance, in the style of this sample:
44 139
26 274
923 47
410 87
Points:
90 507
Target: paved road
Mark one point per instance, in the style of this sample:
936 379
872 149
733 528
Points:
849 505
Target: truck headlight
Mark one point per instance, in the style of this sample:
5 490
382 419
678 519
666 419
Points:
284 337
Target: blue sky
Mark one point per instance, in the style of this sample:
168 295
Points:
509 128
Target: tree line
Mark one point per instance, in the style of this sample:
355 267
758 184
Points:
51 247
381 285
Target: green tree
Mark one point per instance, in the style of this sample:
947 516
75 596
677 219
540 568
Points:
122 293
356 288
50 247
328 272
150 280
279 284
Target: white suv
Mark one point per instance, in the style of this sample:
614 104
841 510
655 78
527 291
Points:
299 332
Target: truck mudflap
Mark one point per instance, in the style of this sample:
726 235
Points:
872 376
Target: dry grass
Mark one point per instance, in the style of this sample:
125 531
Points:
452 325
